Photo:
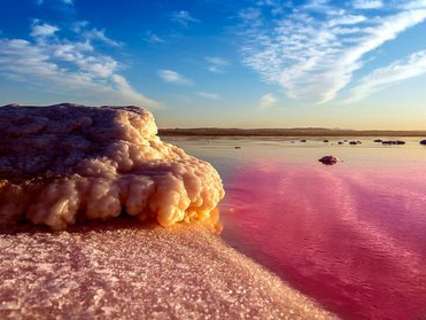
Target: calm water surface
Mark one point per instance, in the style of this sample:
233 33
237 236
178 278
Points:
352 236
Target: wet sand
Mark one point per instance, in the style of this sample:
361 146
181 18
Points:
125 271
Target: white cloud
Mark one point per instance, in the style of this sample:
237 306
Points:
74 69
267 101
216 64
171 76
313 55
209 95
184 18
41 30
368 4
382 78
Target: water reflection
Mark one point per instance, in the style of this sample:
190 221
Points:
352 236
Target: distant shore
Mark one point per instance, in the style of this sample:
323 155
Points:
289 132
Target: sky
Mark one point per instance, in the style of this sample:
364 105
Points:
358 64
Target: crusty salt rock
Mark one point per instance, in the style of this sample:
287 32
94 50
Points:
63 163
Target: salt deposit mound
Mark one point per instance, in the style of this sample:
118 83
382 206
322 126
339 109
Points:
63 163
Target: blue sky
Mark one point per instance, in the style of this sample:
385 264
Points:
252 63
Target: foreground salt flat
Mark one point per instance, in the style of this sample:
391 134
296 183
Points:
124 271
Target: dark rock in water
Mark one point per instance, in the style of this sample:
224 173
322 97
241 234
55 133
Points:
423 142
353 142
328 160
237 147
303 140
340 142
393 142
378 140
325 140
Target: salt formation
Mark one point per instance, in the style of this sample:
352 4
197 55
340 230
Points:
63 163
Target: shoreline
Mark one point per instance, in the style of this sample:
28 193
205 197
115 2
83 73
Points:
121 270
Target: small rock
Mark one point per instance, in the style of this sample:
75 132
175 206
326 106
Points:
328 160
378 140
303 140
423 142
399 142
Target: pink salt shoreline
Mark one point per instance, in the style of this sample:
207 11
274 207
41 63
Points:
119 270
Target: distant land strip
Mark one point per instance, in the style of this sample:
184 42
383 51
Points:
290 132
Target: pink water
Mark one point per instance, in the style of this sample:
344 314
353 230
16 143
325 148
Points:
351 236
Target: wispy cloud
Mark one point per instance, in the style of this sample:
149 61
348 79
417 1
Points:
73 68
267 101
209 95
99 35
413 4
184 18
216 64
83 28
67 2
79 26
39 29
313 50
382 78
368 4
151 37
174 77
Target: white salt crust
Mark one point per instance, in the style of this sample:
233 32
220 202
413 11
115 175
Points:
63 163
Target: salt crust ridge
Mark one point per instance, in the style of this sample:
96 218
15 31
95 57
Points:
66 162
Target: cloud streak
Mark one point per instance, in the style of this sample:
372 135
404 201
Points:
216 64
382 78
312 51
171 76
209 95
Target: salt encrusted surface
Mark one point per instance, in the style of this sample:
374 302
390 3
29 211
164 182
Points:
121 271
67 162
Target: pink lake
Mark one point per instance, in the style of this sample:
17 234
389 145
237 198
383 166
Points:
351 236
